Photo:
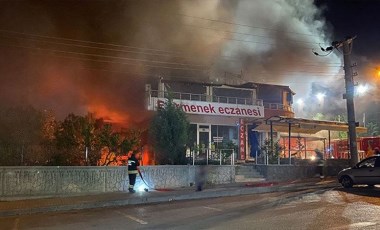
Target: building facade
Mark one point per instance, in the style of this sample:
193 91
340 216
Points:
225 116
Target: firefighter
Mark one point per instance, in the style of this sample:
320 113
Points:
133 167
320 164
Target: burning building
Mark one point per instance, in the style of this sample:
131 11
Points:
245 115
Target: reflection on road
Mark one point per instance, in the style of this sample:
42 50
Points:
309 208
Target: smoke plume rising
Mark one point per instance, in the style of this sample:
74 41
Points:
136 41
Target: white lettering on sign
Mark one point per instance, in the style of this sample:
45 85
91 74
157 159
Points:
211 108
242 139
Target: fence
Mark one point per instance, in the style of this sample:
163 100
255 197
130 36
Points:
212 157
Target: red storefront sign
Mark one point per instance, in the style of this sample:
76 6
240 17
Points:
242 139
211 108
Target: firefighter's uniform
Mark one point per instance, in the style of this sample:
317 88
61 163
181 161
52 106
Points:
133 164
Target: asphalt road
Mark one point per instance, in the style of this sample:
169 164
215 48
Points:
357 208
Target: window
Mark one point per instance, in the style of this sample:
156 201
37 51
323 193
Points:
370 163
221 133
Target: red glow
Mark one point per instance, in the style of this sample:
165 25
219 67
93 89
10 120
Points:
147 156
101 110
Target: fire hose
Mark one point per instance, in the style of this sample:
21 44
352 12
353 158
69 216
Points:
146 189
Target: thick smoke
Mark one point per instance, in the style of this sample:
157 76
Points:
275 49
283 53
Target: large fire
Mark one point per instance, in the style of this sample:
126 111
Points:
109 115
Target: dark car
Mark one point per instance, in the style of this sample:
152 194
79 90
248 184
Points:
366 172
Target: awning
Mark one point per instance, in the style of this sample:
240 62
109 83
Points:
301 125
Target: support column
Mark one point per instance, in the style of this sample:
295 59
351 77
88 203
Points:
290 154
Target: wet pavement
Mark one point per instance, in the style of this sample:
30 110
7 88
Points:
43 205
303 208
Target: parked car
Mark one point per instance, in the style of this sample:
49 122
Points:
366 172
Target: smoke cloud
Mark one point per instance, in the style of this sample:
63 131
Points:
205 40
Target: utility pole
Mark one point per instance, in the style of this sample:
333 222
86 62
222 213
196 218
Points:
350 89
349 95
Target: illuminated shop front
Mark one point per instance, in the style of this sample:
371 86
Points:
222 116
244 117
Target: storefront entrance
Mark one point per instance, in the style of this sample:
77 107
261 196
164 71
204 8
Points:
203 138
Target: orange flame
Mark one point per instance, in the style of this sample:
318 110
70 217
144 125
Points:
109 115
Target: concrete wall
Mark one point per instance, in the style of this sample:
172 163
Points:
174 176
285 172
306 170
53 181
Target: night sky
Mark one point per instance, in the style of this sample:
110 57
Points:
96 56
355 17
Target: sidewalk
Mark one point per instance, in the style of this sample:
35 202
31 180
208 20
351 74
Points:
24 207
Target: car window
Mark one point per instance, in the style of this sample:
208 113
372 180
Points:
370 163
377 164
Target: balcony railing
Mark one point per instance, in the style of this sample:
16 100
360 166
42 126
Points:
204 97
277 106
219 99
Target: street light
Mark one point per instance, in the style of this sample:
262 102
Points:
300 102
361 89
320 96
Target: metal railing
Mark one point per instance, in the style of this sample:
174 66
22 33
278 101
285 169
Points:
217 156
204 97
278 106
220 99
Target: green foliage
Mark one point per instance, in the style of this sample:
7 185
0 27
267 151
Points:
227 145
341 134
78 133
273 153
300 146
130 141
169 134
372 129
74 134
319 116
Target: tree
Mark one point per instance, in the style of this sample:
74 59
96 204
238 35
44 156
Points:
113 145
319 116
342 134
272 153
372 129
72 137
108 143
169 134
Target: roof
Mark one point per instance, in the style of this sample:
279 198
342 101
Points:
280 86
247 85
301 125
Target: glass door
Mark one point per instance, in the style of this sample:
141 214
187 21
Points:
204 139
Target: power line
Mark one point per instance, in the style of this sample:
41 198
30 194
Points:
97 60
108 56
240 24
305 73
134 73
134 47
246 34
306 62
159 62
298 65
152 66
91 42
37 37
